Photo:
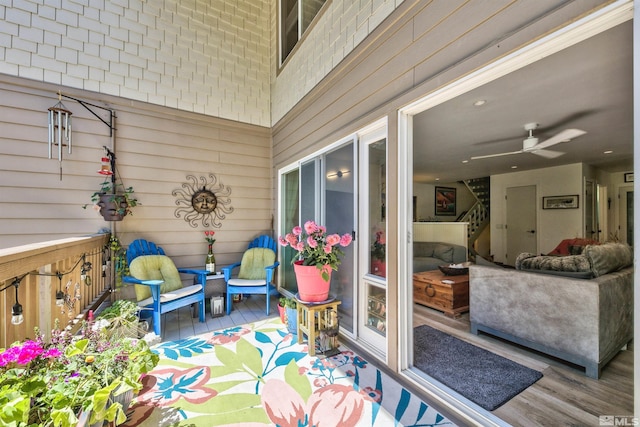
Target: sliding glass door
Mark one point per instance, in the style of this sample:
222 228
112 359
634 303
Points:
322 189
339 217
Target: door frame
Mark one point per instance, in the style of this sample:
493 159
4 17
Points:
577 31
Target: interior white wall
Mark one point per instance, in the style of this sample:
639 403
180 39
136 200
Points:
553 224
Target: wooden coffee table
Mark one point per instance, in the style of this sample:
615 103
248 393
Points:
450 296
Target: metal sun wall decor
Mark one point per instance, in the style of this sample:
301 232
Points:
204 201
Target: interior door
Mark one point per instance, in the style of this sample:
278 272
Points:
521 222
626 215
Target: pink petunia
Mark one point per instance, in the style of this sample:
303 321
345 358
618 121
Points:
292 239
310 227
345 240
312 242
333 239
297 230
327 249
282 241
299 246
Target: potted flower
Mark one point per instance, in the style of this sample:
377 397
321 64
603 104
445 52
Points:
289 314
120 320
113 200
72 376
378 255
318 255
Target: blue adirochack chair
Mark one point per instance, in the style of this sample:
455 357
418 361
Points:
157 281
256 271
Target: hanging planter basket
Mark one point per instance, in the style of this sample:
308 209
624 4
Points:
113 207
311 286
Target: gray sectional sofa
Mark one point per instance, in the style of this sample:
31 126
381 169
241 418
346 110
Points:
585 321
429 255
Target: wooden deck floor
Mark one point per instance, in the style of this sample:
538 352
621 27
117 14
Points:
563 397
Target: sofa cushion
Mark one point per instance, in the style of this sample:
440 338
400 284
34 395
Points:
569 263
443 252
564 247
423 249
608 257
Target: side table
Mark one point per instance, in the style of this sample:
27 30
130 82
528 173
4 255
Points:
315 320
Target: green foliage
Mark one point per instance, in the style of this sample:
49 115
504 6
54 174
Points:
287 302
50 384
122 196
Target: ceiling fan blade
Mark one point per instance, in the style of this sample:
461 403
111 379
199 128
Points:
547 154
496 155
566 134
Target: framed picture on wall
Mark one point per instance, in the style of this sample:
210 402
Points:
560 202
445 201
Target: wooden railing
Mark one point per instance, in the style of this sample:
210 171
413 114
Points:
41 270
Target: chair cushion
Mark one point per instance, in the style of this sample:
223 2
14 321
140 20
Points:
254 261
170 296
246 282
155 267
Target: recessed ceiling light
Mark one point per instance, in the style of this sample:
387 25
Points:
514 167
479 102
608 152
465 161
437 179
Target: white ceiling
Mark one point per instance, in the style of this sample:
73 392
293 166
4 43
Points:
587 86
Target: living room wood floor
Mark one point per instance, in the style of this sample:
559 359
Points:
564 396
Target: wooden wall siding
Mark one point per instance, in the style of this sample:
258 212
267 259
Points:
420 47
156 148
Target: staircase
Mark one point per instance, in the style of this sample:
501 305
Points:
478 215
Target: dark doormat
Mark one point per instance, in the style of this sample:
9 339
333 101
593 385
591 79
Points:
483 377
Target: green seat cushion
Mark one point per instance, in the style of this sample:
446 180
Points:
254 261
155 267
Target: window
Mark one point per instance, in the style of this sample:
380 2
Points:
295 18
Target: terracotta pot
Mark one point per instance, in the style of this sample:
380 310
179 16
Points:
311 286
281 312
379 267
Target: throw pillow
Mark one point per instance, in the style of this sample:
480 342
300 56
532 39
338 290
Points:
155 267
608 257
444 252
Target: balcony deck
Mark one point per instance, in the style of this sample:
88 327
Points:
565 396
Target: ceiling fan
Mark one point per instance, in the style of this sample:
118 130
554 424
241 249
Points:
533 145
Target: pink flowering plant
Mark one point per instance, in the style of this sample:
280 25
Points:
315 246
51 383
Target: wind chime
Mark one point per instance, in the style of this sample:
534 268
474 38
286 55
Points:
59 129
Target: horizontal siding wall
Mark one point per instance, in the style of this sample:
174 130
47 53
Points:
419 48
156 148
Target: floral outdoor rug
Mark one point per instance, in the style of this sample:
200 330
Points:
257 374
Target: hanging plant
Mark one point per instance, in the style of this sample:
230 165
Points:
113 200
